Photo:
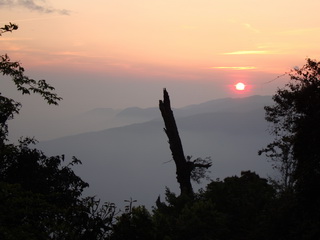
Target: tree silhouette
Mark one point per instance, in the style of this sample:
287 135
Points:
185 168
24 84
40 196
295 117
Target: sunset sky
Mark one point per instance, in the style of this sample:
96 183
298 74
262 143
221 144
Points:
103 53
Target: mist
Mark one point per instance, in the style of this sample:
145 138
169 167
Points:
134 160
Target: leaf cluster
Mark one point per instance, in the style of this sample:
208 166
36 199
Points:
295 151
199 168
8 28
296 112
25 84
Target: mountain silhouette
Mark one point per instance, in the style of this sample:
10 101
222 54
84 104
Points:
135 160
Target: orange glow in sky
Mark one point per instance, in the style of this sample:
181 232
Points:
186 40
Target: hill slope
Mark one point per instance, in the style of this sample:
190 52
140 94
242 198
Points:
134 160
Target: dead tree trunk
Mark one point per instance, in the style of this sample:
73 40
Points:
183 167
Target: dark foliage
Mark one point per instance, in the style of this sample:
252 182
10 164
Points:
40 196
236 208
133 225
24 84
244 201
8 28
295 117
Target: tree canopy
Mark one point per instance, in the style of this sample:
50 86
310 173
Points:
40 196
295 118
24 84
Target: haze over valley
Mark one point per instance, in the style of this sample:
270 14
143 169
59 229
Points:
125 153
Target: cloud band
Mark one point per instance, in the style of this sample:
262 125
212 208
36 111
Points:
33 6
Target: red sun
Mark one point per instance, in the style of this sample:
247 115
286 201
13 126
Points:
240 86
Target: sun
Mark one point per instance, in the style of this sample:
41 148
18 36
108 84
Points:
240 86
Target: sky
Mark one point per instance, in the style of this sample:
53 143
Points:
103 53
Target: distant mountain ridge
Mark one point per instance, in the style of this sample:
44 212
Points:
217 105
134 160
